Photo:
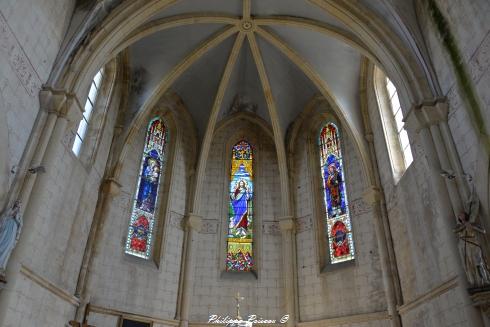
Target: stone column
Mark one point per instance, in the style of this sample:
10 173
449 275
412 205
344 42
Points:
287 226
108 190
425 120
373 197
192 226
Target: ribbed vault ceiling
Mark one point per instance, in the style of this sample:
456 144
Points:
326 53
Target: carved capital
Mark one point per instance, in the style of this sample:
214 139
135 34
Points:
427 114
61 103
371 195
286 224
193 221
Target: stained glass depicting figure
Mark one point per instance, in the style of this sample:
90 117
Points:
337 220
240 219
140 233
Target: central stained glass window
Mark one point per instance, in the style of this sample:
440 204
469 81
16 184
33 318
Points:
337 220
239 255
140 233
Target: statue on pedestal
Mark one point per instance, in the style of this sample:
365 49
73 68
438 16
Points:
10 228
471 234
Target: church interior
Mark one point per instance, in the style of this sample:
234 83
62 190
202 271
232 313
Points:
190 163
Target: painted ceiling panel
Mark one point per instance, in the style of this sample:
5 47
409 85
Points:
198 85
336 63
290 87
153 57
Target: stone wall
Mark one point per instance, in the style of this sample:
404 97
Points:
130 284
423 242
214 291
341 291
31 33
469 26
57 221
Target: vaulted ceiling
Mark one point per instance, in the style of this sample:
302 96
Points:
294 41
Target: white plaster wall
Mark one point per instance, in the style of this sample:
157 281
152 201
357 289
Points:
345 291
31 33
214 293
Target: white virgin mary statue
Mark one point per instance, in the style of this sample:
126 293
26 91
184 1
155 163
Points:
10 228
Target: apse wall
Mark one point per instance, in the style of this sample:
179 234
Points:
423 242
44 267
214 291
129 284
31 33
339 292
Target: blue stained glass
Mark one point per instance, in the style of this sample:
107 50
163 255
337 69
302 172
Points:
337 220
140 232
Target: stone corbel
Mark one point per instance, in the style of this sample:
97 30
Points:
61 103
111 187
426 115
193 221
286 224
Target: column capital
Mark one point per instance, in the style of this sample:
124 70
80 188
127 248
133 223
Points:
286 223
193 221
426 114
60 102
371 195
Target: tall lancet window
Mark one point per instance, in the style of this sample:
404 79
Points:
397 113
87 114
140 233
239 255
337 219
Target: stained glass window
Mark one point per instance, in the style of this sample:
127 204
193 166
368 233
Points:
337 218
140 232
239 255
89 106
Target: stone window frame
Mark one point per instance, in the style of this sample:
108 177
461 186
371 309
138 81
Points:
322 251
252 139
399 161
91 140
162 209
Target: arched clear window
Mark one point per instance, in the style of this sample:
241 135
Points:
89 106
239 256
397 116
337 219
391 113
139 240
